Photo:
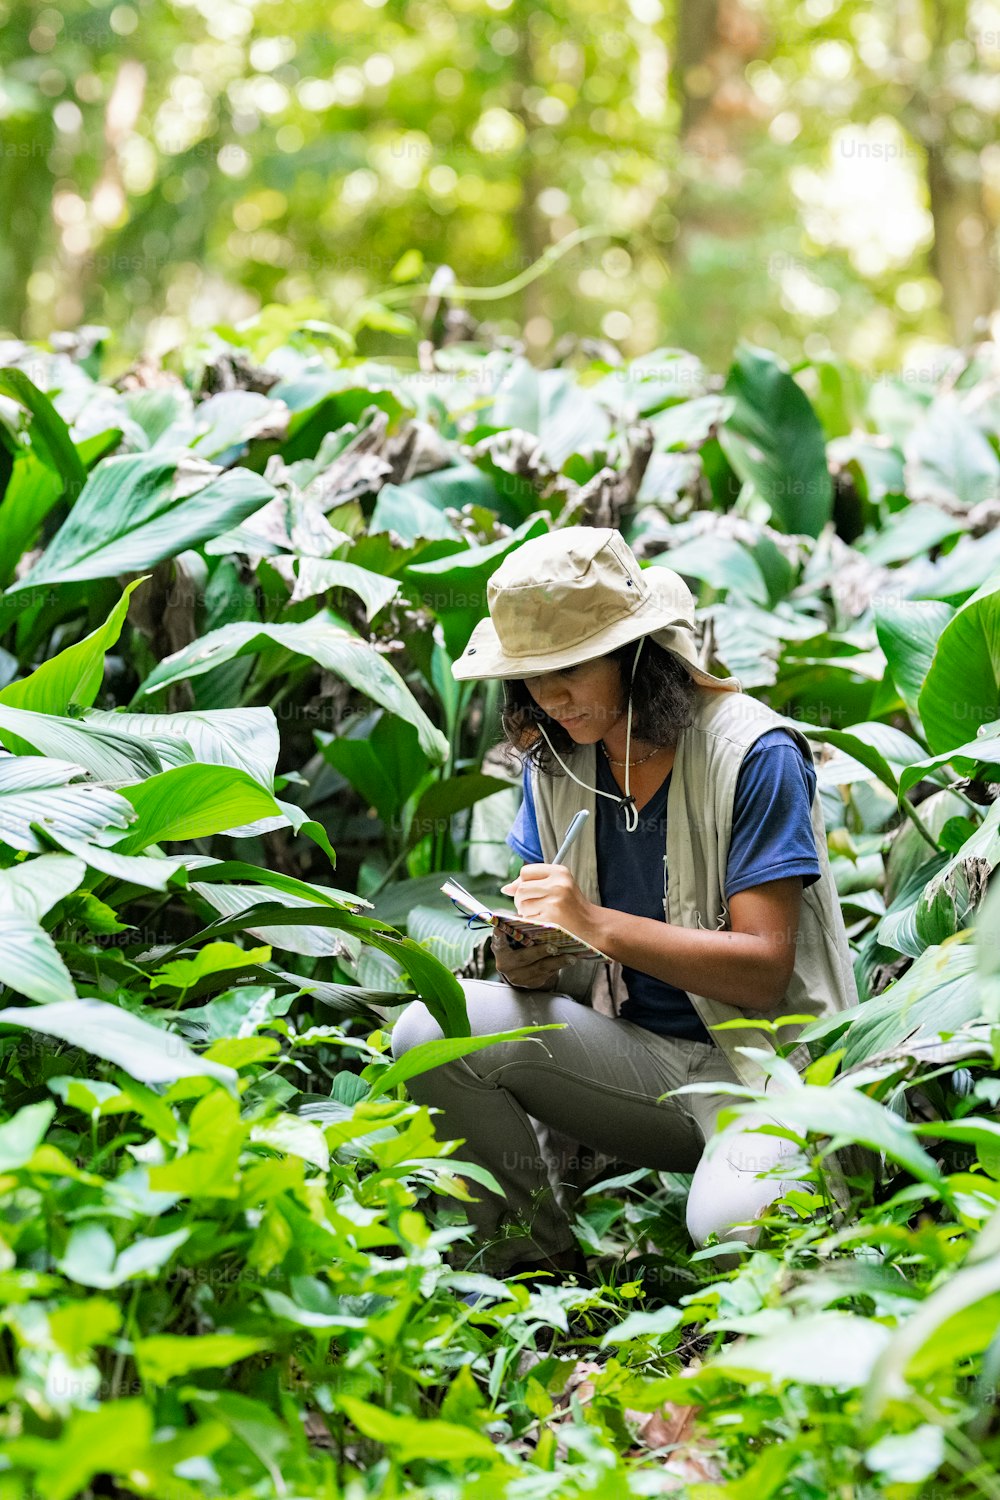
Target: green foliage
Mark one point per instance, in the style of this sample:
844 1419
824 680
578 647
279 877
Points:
230 1254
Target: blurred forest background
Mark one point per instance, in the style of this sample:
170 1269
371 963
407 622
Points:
812 176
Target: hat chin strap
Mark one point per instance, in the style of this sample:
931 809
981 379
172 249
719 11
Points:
627 802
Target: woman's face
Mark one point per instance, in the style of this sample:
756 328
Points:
586 699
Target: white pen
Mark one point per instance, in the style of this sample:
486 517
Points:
571 833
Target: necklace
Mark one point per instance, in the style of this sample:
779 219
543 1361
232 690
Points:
633 762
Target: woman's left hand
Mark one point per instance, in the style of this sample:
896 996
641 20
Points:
551 893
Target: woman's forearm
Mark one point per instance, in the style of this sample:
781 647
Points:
738 968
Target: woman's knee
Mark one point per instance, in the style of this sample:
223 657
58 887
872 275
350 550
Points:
728 1193
414 1026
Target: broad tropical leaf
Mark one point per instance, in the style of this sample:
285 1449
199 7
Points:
35 789
137 509
326 640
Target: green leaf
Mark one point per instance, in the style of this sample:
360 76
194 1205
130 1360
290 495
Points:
926 1340
30 963
908 632
245 738
962 688
155 873
76 674
384 762
49 426
32 491
643 1325
881 749
442 799
314 575
325 640
146 1052
193 801
214 958
721 563
550 404
988 955
908 1457
137 509
938 993
984 750
849 1116
163 1356
436 986
23 1133
849 1345
412 1438
949 459
774 441
115 1438
106 755
313 940
90 1257
36 790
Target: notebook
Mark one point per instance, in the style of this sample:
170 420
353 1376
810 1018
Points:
530 932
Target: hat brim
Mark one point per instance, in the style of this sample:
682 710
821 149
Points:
484 656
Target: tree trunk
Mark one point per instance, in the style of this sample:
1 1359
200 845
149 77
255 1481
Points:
961 256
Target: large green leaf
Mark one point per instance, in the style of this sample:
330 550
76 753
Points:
30 963
155 873
988 955
962 688
882 750
162 1356
414 1438
313 941
826 1348
106 755
193 801
326 640
550 404
33 489
35 789
314 575
382 760
137 509
76 674
722 563
774 441
908 632
146 1052
246 738
446 934
849 1116
949 459
442 799
938 993
980 755
436 985
47 426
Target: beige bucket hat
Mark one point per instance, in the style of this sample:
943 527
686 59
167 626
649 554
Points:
575 594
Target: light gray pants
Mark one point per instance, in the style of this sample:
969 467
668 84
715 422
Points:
596 1082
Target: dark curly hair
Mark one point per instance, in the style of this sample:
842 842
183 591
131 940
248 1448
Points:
663 696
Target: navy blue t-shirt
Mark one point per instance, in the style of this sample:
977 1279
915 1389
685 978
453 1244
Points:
772 838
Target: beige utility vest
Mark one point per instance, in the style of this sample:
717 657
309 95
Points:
699 827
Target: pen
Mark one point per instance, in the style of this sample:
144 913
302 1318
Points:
571 833
574 828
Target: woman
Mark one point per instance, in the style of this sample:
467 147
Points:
702 873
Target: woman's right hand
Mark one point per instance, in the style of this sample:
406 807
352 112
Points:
533 968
